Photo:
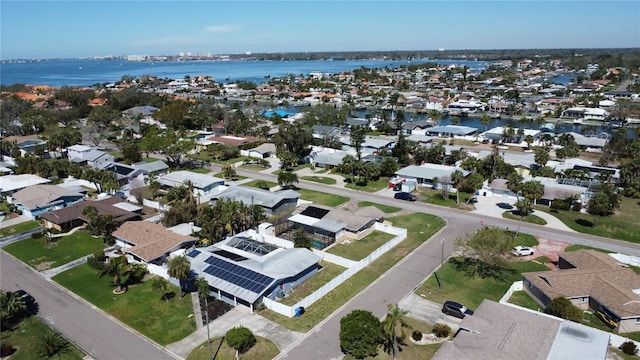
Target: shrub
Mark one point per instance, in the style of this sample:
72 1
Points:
560 204
441 330
629 347
36 235
416 335
563 308
240 338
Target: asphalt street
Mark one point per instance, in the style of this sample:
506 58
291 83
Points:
95 332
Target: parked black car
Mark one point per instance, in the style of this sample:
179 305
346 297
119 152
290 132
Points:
454 309
405 196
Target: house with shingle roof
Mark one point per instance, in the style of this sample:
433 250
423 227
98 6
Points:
72 216
591 280
201 183
151 243
85 155
38 199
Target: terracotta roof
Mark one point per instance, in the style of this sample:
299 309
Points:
150 240
599 276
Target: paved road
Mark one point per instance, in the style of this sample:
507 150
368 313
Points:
95 332
322 342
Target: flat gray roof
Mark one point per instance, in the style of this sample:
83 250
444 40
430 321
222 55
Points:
251 195
429 171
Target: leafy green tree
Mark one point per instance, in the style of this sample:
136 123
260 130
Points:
361 333
160 285
179 267
514 182
63 138
294 139
104 180
173 115
240 338
301 239
472 184
229 171
485 251
563 308
52 344
388 166
435 154
118 268
130 152
604 201
391 323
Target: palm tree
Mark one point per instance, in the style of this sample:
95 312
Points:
120 269
160 284
12 308
456 178
51 344
485 120
394 318
179 267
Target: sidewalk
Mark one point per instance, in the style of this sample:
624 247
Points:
8 222
238 316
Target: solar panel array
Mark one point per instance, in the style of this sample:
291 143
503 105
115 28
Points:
194 253
237 275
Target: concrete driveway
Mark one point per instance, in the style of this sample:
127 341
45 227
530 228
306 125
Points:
427 311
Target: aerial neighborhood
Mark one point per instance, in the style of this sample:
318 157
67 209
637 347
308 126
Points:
423 211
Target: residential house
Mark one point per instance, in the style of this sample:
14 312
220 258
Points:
371 145
201 184
591 280
596 142
328 158
10 184
326 132
85 155
450 131
271 202
262 151
27 144
327 225
38 199
503 331
585 113
416 127
428 174
241 270
72 216
151 243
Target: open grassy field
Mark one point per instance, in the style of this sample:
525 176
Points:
264 349
359 249
41 255
320 179
420 228
470 291
623 225
371 186
26 337
322 198
384 208
140 307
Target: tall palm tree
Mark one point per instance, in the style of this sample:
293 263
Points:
179 268
120 269
485 120
394 319
456 178
161 285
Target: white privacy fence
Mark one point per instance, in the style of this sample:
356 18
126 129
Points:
352 268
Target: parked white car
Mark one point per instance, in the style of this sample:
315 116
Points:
522 251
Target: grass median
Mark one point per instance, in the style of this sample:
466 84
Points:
140 307
263 349
41 255
420 227
384 208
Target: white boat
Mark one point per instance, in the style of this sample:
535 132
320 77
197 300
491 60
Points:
577 121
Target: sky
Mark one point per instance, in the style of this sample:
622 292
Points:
65 29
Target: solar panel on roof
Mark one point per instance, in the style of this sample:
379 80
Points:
315 212
237 275
194 253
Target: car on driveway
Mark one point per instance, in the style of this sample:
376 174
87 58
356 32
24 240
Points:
455 309
405 196
505 206
522 251
25 297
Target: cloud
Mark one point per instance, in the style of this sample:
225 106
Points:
221 28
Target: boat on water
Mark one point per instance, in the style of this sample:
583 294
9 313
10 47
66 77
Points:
577 121
495 115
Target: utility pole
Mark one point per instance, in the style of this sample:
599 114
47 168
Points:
206 317
442 253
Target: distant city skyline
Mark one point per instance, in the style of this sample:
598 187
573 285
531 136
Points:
65 29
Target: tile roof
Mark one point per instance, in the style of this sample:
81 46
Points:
104 207
150 240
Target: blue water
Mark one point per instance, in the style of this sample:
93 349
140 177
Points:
89 72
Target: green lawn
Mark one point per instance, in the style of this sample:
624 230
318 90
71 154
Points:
18 228
26 336
526 240
410 351
253 167
384 208
523 299
254 183
42 256
623 225
460 287
140 307
328 272
320 179
322 198
434 197
532 219
220 175
359 249
420 228
263 349
371 186
576 247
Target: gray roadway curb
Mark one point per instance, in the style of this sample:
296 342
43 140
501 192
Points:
326 319
117 321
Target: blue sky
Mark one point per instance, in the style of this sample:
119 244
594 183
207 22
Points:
46 29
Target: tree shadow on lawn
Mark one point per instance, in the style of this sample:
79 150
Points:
168 296
476 267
